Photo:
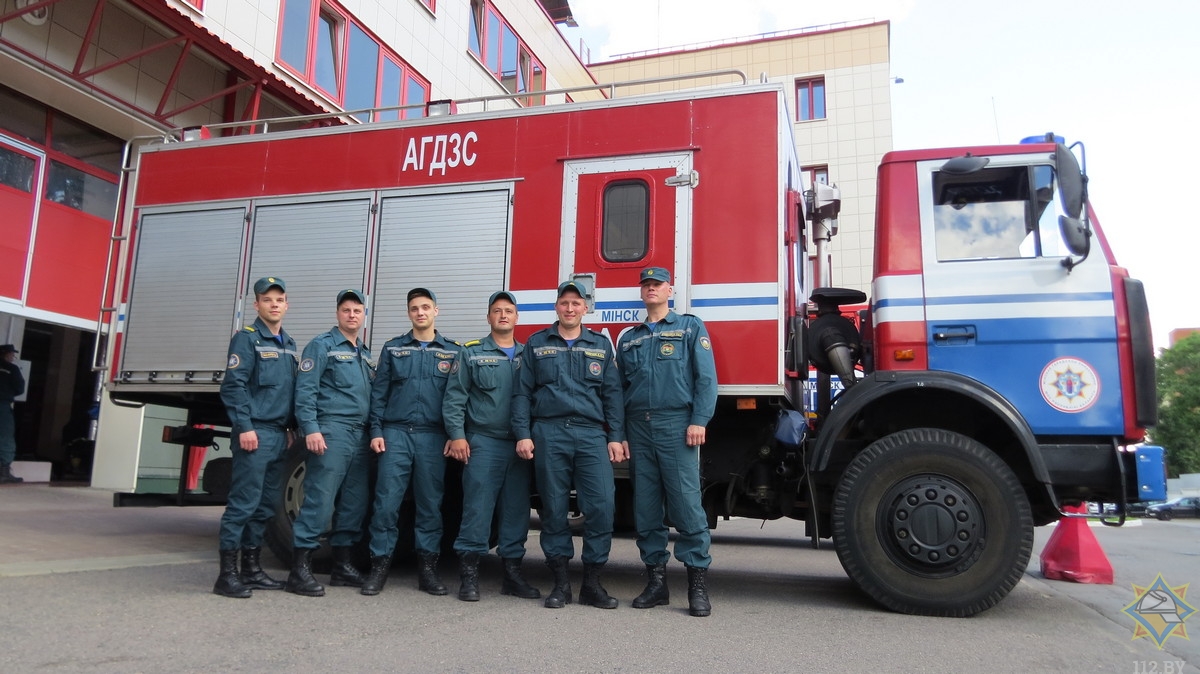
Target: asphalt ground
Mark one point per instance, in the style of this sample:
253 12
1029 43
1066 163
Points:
85 587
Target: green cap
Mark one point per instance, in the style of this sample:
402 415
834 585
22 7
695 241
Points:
265 283
501 295
655 274
571 286
351 294
421 292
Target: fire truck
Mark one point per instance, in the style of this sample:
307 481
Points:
1001 370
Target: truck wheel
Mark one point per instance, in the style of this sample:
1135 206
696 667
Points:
931 522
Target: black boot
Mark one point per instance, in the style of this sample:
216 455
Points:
592 592
300 580
468 573
698 592
7 477
344 573
656 593
514 583
560 596
228 584
427 574
253 576
377 576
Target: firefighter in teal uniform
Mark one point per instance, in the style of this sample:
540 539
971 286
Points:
478 414
258 391
568 417
333 390
408 436
669 382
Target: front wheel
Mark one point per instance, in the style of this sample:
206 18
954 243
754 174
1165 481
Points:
1164 515
931 522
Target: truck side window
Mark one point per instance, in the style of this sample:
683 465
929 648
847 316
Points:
626 229
987 214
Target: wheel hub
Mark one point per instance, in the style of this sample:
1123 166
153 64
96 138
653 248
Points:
930 524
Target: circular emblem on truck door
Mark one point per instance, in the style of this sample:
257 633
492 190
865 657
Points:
1070 385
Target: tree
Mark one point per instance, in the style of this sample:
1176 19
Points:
1178 429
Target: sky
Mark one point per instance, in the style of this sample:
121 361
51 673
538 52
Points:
1121 77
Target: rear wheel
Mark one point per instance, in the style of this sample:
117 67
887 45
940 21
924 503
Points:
279 530
931 522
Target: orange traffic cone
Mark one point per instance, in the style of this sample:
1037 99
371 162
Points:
1074 554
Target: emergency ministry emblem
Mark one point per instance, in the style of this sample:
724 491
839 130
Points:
443 366
234 361
1159 611
705 344
594 367
307 365
667 349
1070 385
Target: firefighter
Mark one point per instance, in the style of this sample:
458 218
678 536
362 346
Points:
258 391
333 391
568 417
12 384
478 414
669 381
408 436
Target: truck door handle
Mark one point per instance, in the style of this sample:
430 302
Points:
962 335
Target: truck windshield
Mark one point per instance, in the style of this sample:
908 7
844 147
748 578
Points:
995 213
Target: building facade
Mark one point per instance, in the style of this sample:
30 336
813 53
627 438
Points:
79 78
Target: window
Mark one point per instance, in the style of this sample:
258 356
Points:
327 48
810 99
498 47
16 169
82 191
817 174
994 213
625 236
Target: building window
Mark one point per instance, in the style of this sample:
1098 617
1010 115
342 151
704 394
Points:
327 48
502 51
16 169
625 235
817 174
810 99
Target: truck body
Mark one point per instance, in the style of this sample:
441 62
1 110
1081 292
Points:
994 377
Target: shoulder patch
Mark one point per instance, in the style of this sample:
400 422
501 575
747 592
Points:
234 361
249 328
705 344
474 342
307 365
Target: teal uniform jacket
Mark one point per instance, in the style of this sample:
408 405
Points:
260 378
479 393
334 382
410 382
557 381
669 367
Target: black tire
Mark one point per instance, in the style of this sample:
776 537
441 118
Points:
279 531
976 526
1164 515
218 476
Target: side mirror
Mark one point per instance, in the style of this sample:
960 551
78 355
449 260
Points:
1076 235
1070 181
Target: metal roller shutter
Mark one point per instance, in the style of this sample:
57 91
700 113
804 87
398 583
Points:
181 303
455 244
318 248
